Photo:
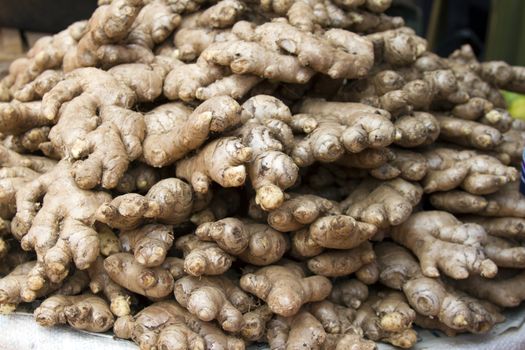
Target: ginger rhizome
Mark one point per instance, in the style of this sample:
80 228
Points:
56 219
210 298
254 243
285 288
430 296
443 243
169 201
167 324
84 312
218 173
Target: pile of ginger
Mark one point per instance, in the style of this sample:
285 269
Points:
194 174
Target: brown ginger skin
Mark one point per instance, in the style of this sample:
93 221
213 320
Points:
169 201
152 282
108 24
513 143
214 297
383 204
468 133
338 263
165 325
221 160
301 330
387 318
255 323
285 288
430 296
203 258
342 126
17 171
120 299
507 202
183 82
138 178
85 93
149 243
65 222
153 25
474 172
83 312
245 57
303 246
337 321
299 211
109 242
369 158
417 129
340 232
502 291
229 234
506 227
268 133
310 49
505 252
350 293
13 286
27 76
12 159
18 118
408 165
443 243
173 129
254 243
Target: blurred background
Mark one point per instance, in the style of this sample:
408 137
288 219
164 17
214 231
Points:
493 28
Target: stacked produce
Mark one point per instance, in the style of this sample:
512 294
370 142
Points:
205 175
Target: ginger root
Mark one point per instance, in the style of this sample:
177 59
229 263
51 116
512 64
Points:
382 204
173 129
474 172
95 123
169 201
293 332
222 160
203 258
350 293
342 126
442 242
503 291
13 287
254 243
167 325
387 317
152 282
120 299
338 263
150 243
61 229
211 298
285 288
299 211
430 296
84 312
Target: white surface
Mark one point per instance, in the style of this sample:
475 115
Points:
20 332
